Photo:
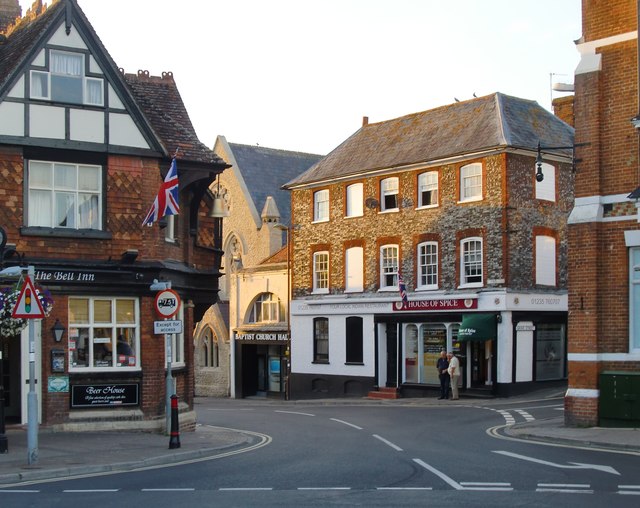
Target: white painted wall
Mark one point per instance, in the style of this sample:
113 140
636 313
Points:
12 115
524 362
86 125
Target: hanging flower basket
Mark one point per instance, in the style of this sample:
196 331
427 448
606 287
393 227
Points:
10 327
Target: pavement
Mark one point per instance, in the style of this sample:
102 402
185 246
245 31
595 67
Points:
66 454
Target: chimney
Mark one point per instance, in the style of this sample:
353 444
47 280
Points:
9 11
365 121
563 109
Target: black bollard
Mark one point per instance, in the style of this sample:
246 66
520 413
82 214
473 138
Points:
174 440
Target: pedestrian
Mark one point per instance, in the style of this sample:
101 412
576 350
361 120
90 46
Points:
443 374
454 374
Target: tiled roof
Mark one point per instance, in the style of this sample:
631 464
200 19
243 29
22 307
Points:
490 122
161 103
276 258
22 38
266 170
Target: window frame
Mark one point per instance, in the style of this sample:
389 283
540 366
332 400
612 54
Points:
321 205
83 78
464 279
321 272
93 324
477 169
389 187
634 299
424 183
544 258
423 267
57 190
320 337
354 199
386 262
354 340
270 303
354 270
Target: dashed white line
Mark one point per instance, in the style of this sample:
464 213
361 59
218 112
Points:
324 488
85 491
389 443
567 488
629 490
294 413
439 474
169 490
231 489
526 415
404 488
346 423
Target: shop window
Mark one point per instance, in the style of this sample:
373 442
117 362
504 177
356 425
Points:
354 270
550 351
65 81
354 340
546 189
471 262
63 195
389 267
104 333
428 265
634 307
321 272
321 340
433 340
267 308
471 182
355 200
545 260
412 354
389 194
428 189
321 206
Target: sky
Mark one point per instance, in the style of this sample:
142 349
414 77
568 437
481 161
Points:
301 74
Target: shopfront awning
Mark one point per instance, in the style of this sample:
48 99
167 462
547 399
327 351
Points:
477 327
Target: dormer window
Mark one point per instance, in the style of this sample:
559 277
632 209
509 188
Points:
66 81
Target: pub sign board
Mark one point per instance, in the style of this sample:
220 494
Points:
105 395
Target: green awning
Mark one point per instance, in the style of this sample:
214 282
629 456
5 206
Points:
477 327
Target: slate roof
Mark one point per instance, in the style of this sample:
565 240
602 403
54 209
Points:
266 170
491 122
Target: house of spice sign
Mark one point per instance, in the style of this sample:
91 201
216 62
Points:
436 305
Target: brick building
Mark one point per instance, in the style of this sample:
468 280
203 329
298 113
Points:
447 199
84 149
604 235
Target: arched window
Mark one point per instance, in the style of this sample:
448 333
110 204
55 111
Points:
267 308
209 353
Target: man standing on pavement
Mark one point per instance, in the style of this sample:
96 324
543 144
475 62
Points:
442 366
454 373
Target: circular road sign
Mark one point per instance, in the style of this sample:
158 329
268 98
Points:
167 303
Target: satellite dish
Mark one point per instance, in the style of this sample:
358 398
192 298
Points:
371 203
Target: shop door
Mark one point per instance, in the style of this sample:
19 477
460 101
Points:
478 364
392 355
263 374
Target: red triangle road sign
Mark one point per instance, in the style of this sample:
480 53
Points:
28 305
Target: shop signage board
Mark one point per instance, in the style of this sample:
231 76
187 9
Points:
437 305
167 303
28 305
160 327
107 395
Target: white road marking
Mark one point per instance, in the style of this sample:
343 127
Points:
572 465
84 491
567 488
404 488
346 423
20 491
324 488
526 415
629 490
294 413
169 490
439 474
389 443
244 488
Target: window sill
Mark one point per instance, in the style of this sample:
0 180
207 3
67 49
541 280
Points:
90 234
319 221
470 200
354 363
321 362
389 289
427 207
471 286
390 210
427 288
320 292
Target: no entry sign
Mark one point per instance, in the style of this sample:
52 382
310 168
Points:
167 303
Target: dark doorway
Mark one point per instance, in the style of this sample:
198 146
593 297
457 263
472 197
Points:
478 365
392 355
11 379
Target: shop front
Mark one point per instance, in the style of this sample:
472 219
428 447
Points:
261 363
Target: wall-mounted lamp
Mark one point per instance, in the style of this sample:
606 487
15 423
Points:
129 255
58 330
539 161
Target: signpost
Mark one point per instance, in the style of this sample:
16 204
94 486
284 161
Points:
167 304
29 307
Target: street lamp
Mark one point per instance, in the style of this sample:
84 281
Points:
284 227
539 161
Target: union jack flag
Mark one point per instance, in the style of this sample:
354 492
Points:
166 202
402 288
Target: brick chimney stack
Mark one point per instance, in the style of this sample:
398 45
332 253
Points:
9 11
